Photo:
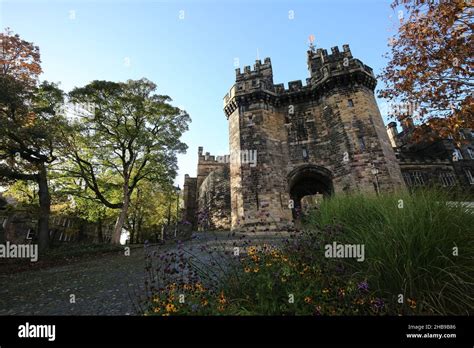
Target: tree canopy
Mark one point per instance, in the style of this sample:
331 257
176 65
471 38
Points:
431 64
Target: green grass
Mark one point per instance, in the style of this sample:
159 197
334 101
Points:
409 241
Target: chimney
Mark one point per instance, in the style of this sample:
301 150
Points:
392 133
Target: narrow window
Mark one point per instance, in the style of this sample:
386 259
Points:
305 153
469 176
447 179
350 103
418 178
407 178
361 144
471 153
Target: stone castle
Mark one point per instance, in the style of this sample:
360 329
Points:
323 137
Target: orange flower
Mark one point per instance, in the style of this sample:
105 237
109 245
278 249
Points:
308 299
170 307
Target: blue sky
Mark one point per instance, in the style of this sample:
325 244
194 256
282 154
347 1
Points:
188 48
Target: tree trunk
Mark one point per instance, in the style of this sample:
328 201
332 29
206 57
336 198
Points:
121 219
45 205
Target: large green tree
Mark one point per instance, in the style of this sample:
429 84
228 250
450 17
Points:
29 133
128 135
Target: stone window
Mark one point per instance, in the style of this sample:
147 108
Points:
470 152
350 103
415 178
361 143
418 178
407 178
469 176
447 179
301 132
305 153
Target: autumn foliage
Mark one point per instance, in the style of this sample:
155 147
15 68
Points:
19 58
431 64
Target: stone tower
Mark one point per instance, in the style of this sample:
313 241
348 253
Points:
324 137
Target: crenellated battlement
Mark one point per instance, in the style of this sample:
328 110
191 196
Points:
323 65
206 158
258 70
327 71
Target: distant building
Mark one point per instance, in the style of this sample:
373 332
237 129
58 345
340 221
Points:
438 163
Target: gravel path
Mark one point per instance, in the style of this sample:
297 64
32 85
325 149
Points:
101 286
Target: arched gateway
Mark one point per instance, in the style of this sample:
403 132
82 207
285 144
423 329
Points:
308 180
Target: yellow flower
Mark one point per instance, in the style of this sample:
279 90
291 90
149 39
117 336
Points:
222 299
187 287
247 269
308 299
170 307
256 270
283 279
220 308
165 315
199 287
268 264
204 302
157 309
252 250
325 291
341 292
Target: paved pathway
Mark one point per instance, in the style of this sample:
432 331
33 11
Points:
102 285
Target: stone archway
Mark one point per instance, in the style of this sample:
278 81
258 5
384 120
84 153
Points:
308 180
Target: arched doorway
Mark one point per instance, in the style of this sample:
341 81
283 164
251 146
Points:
308 180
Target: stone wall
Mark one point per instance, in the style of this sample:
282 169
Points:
207 196
214 200
19 225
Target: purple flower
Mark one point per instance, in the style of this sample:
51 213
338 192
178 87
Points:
378 303
363 286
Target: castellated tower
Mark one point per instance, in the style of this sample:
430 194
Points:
324 137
